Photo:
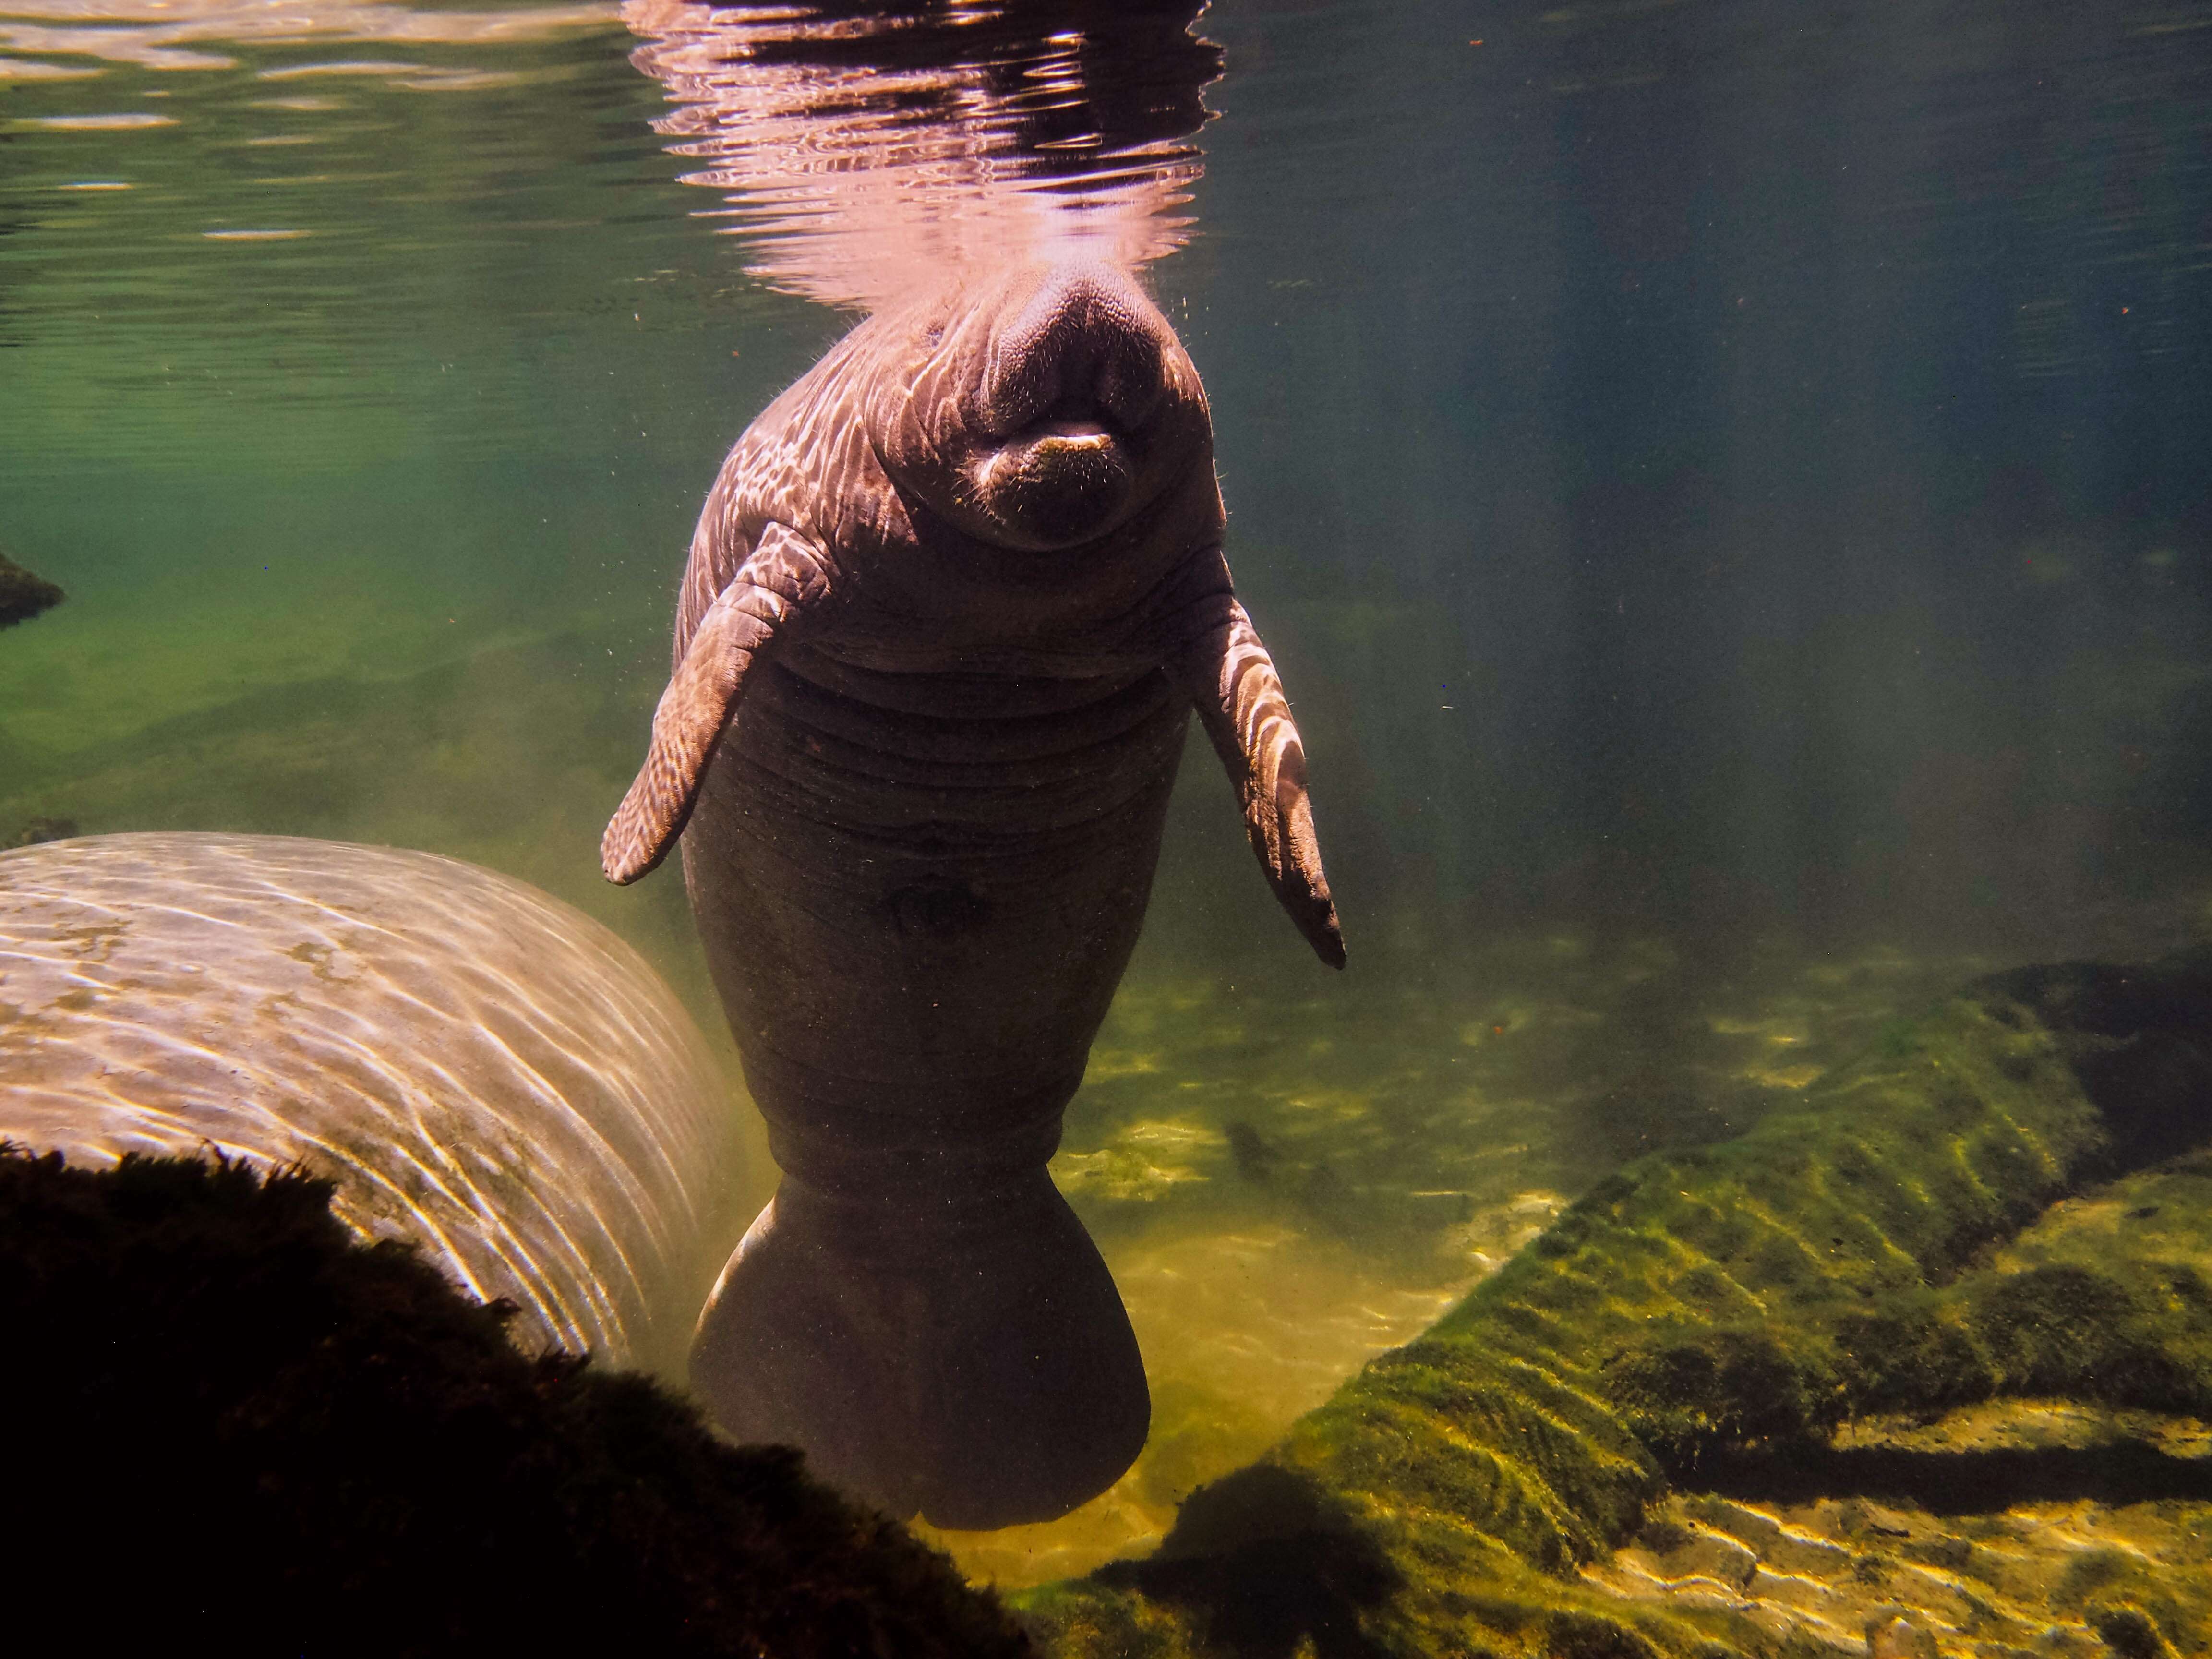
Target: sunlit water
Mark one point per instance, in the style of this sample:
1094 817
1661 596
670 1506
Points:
1729 487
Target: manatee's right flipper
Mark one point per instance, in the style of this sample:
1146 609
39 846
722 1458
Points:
1240 700
784 585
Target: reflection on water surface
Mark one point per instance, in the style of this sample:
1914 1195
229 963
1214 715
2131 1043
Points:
869 151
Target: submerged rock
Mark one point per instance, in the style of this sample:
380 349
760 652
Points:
43 830
22 595
239 1430
484 1072
1721 1317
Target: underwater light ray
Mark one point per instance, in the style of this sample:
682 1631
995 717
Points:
404 1104
429 1227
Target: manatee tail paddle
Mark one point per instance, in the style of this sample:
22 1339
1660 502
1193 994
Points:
969 1362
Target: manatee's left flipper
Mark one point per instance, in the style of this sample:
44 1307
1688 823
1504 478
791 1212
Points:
1232 681
786 585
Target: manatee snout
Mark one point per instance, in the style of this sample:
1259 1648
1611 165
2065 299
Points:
1069 385
1087 344
1060 486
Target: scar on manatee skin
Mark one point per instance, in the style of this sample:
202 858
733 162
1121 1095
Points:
936 909
278 1005
320 960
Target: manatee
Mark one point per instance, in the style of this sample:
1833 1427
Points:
949 604
486 1074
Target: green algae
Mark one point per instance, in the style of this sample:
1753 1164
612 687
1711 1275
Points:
1723 1310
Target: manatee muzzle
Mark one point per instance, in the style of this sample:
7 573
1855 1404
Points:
1085 345
1060 484
1073 377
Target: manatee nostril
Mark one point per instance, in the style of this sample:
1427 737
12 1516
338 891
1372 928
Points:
1020 383
1130 378
1085 346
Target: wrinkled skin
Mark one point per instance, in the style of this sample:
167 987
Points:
949 604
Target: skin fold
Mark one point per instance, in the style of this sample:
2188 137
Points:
949 604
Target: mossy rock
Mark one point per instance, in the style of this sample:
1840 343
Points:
237 1426
22 595
1710 1314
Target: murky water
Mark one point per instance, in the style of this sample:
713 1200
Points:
1729 487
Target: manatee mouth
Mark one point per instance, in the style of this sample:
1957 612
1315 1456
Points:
1058 482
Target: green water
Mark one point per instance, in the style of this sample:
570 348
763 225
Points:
1729 490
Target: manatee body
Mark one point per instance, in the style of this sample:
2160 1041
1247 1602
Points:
486 1073
950 603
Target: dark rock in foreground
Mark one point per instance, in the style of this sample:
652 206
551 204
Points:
232 1423
22 595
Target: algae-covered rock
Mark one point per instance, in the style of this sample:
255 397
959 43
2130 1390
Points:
238 1429
22 595
1721 1317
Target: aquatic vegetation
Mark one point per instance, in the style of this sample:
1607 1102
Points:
483 1071
1714 1316
275 1432
1248 1291
24 595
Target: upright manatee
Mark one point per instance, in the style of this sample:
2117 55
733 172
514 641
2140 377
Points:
949 601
